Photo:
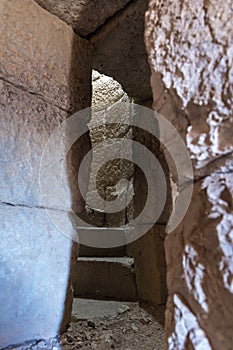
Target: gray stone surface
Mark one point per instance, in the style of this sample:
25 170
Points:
35 265
40 86
26 123
85 16
55 72
190 51
86 309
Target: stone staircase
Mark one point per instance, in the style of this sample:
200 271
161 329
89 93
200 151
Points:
105 274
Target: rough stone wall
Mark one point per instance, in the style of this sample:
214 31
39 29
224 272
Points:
106 92
44 77
190 51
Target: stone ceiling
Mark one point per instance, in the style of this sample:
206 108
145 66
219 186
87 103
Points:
116 30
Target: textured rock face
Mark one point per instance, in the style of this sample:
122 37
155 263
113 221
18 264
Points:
190 52
192 49
85 16
108 92
201 252
45 76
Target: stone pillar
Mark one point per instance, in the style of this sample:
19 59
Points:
44 77
190 51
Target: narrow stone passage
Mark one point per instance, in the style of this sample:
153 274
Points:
116 175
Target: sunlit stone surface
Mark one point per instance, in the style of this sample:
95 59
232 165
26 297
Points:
190 50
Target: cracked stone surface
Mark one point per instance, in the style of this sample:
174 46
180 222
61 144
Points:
43 56
84 16
40 87
26 124
190 52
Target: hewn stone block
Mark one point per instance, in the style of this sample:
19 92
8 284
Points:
45 76
84 16
26 123
35 265
43 55
150 266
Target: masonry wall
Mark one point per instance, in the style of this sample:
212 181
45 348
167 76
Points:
45 77
189 46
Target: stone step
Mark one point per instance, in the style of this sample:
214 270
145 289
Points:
86 309
106 278
86 251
